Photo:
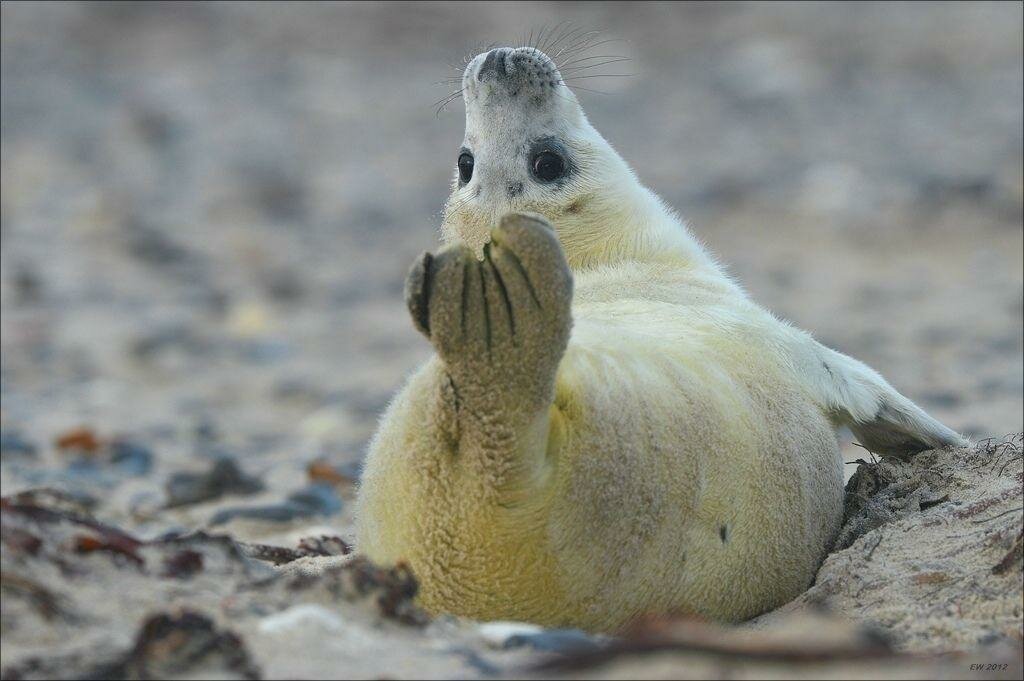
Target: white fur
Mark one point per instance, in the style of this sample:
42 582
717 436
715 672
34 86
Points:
683 457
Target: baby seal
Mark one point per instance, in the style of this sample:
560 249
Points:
609 427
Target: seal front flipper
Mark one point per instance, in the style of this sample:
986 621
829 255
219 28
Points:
500 324
882 419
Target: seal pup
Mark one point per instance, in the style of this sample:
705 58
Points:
609 427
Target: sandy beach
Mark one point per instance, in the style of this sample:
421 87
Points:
208 212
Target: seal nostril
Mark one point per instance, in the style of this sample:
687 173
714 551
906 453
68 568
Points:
488 65
493 62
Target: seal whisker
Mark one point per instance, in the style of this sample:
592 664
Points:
565 35
578 87
569 34
579 42
594 56
561 96
540 37
542 43
577 69
573 33
600 75
572 50
459 205
445 101
448 96
553 35
452 208
583 43
581 61
585 47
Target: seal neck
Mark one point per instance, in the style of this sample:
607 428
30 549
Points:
635 225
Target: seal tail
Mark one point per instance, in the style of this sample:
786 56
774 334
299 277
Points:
882 419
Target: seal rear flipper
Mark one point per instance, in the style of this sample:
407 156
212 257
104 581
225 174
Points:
882 419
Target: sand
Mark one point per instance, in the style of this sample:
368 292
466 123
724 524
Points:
208 212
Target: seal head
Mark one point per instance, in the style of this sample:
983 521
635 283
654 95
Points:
528 145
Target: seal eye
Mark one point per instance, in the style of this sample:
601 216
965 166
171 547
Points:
548 166
465 167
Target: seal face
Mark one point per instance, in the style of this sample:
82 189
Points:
524 146
609 426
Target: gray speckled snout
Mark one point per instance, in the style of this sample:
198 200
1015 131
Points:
515 71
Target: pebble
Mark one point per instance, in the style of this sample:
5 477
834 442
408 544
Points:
79 441
508 635
13 444
312 500
131 458
319 497
224 477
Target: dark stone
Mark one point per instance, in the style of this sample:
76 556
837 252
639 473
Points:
320 498
131 458
181 644
554 641
223 478
12 444
183 564
312 500
278 513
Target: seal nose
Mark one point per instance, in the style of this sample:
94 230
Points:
494 63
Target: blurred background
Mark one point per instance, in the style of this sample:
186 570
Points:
208 211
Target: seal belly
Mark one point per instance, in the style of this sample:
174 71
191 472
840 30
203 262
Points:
684 486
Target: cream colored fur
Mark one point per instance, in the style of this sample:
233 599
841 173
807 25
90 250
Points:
610 426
